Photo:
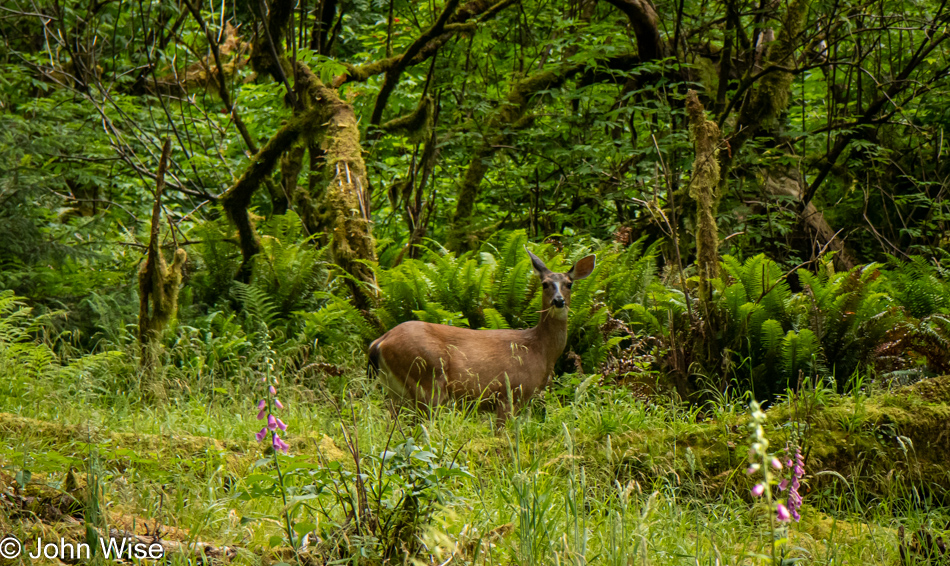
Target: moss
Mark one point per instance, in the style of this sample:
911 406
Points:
236 200
267 56
771 96
704 189
341 208
415 125
158 283
508 117
887 440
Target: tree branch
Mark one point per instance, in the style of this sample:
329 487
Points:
393 74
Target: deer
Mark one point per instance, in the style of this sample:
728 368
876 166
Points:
426 364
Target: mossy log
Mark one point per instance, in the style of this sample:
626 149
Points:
880 443
341 207
416 125
770 96
768 91
267 56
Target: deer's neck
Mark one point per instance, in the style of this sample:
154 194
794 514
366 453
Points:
551 332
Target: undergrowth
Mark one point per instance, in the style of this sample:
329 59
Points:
597 476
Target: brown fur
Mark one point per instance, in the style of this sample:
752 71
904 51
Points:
429 364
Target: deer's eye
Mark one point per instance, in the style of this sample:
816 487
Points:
545 285
569 285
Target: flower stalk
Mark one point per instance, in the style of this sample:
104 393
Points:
266 408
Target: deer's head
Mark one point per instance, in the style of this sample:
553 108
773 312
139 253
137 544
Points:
556 287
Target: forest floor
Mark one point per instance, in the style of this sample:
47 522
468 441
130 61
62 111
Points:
604 477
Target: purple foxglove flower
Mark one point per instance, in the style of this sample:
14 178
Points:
782 486
782 513
281 425
776 464
280 444
261 434
261 404
260 415
271 422
273 390
752 469
278 404
758 490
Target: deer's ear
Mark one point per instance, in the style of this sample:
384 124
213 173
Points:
582 268
536 262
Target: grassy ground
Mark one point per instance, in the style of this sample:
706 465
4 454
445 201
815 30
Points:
598 477
590 474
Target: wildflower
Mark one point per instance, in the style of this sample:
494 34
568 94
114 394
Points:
264 408
758 490
794 497
776 464
783 485
280 444
782 513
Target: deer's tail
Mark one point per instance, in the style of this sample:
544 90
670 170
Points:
372 364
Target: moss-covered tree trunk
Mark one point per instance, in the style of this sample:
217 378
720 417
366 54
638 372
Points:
158 282
768 89
510 115
342 207
704 188
335 204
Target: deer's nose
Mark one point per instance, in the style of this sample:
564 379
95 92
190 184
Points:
558 302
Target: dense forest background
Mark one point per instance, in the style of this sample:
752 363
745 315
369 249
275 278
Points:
352 142
194 195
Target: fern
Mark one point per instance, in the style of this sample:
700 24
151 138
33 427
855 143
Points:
771 336
494 320
288 268
630 273
918 286
14 320
798 351
511 279
260 313
436 314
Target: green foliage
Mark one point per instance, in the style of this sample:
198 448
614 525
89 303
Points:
378 512
289 269
919 286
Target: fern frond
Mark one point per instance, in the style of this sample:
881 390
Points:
771 336
494 320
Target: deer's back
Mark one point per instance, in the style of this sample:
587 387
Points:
465 362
